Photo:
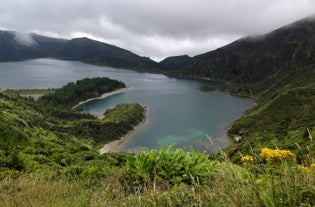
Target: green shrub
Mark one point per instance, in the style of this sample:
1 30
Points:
73 172
10 159
173 166
93 173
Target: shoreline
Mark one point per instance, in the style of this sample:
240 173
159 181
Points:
113 145
104 95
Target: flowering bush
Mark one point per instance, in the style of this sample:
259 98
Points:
271 155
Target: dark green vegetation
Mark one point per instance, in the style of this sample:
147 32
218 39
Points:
25 92
163 178
73 93
172 166
207 88
116 123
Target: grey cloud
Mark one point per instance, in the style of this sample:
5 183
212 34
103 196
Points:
156 28
24 39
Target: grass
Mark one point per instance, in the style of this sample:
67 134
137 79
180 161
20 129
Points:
280 182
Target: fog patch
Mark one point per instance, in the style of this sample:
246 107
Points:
24 39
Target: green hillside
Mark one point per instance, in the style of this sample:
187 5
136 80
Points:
35 134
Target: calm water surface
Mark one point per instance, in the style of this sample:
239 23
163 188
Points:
177 111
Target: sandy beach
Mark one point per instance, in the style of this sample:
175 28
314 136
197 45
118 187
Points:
112 146
105 95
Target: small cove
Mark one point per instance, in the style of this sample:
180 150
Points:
177 111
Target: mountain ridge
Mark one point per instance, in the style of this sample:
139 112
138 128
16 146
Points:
16 46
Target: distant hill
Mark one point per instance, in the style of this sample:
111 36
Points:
175 62
15 46
95 52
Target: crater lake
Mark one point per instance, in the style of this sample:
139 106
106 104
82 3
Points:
178 112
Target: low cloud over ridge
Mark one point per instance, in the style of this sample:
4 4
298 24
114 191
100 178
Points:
154 28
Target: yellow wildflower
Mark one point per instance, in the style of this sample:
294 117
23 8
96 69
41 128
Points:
275 155
247 160
304 169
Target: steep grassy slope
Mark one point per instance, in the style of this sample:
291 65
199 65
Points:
28 134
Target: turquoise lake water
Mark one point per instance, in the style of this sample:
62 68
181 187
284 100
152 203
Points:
177 111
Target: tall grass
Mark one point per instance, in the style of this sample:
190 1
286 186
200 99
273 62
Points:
282 182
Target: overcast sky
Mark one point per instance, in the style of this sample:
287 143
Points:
154 28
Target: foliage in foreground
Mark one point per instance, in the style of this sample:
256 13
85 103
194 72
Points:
279 181
173 166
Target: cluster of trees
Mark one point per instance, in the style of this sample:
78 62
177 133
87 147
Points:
72 93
